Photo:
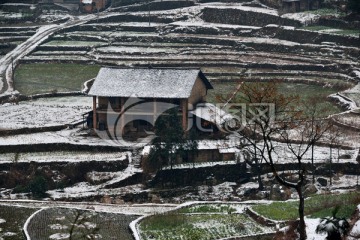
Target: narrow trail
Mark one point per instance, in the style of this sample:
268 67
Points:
136 209
9 62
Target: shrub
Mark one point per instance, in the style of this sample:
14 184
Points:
38 187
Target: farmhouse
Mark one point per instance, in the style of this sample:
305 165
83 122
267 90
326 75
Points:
131 98
90 6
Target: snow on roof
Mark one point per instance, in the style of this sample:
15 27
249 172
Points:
212 113
146 82
86 1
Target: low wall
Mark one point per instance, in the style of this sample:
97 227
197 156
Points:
338 23
241 17
45 147
202 175
57 174
163 5
217 174
306 36
132 18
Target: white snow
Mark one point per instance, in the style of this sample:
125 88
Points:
138 50
311 225
304 17
28 222
59 236
357 74
79 188
86 1
57 226
239 6
44 112
85 189
212 113
355 231
212 25
2 221
61 156
350 104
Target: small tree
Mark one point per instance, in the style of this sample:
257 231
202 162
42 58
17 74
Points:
80 228
38 187
169 141
284 122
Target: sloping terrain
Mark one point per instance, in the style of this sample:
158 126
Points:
215 37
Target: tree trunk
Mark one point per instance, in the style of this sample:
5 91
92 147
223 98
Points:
302 226
259 170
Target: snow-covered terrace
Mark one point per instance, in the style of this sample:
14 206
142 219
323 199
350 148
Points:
44 112
212 25
240 6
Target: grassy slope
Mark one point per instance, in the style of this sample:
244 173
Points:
200 222
41 78
317 206
305 91
15 218
213 221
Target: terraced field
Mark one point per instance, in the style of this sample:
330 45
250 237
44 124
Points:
211 221
229 49
11 224
231 43
10 37
61 223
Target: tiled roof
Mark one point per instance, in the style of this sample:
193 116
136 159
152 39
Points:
146 82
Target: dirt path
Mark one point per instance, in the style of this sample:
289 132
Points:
136 209
9 62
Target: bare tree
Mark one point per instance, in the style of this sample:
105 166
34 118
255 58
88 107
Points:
276 118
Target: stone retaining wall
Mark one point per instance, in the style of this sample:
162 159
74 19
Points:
236 173
203 175
158 6
132 18
46 147
338 23
241 17
306 36
56 173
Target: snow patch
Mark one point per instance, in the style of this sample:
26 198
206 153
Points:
58 226
59 236
303 17
355 231
242 7
311 224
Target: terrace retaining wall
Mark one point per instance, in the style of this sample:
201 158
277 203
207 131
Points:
242 17
217 174
305 36
57 174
